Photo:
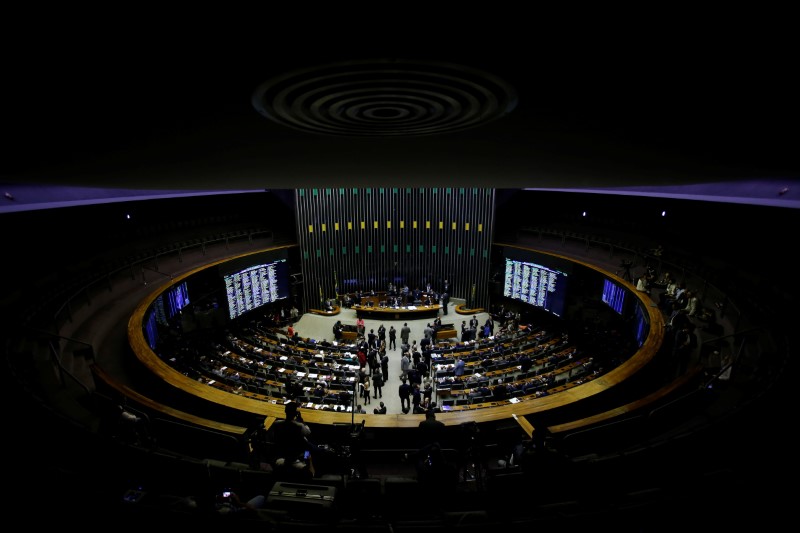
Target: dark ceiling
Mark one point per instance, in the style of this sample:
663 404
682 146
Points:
137 104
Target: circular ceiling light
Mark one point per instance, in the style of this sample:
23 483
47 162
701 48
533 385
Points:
384 98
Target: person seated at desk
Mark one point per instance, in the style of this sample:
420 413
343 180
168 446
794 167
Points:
481 391
319 390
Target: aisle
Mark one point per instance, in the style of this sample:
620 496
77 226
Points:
321 327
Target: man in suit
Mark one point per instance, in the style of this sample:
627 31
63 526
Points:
377 384
405 333
405 366
458 368
404 391
385 367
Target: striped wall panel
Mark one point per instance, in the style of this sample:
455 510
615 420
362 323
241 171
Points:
365 238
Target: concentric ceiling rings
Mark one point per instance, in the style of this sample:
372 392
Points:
389 98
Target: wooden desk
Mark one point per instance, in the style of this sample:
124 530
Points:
335 311
349 332
397 313
443 334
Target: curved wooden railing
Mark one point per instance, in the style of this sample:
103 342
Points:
333 312
247 403
462 309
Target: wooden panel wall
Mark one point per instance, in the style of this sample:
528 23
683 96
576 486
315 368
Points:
364 238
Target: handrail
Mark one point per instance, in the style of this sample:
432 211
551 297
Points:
56 357
86 286
151 255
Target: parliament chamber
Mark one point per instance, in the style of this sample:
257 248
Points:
608 423
587 232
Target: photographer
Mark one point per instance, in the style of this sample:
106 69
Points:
293 450
290 435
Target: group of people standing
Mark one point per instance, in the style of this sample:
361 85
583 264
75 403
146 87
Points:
473 331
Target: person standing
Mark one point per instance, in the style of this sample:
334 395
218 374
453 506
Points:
392 338
381 334
405 333
405 365
445 300
404 391
427 392
415 355
373 360
372 338
385 366
416 399
366 394
431 431
458 368
377 384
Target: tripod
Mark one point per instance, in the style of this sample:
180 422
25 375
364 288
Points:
472 457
